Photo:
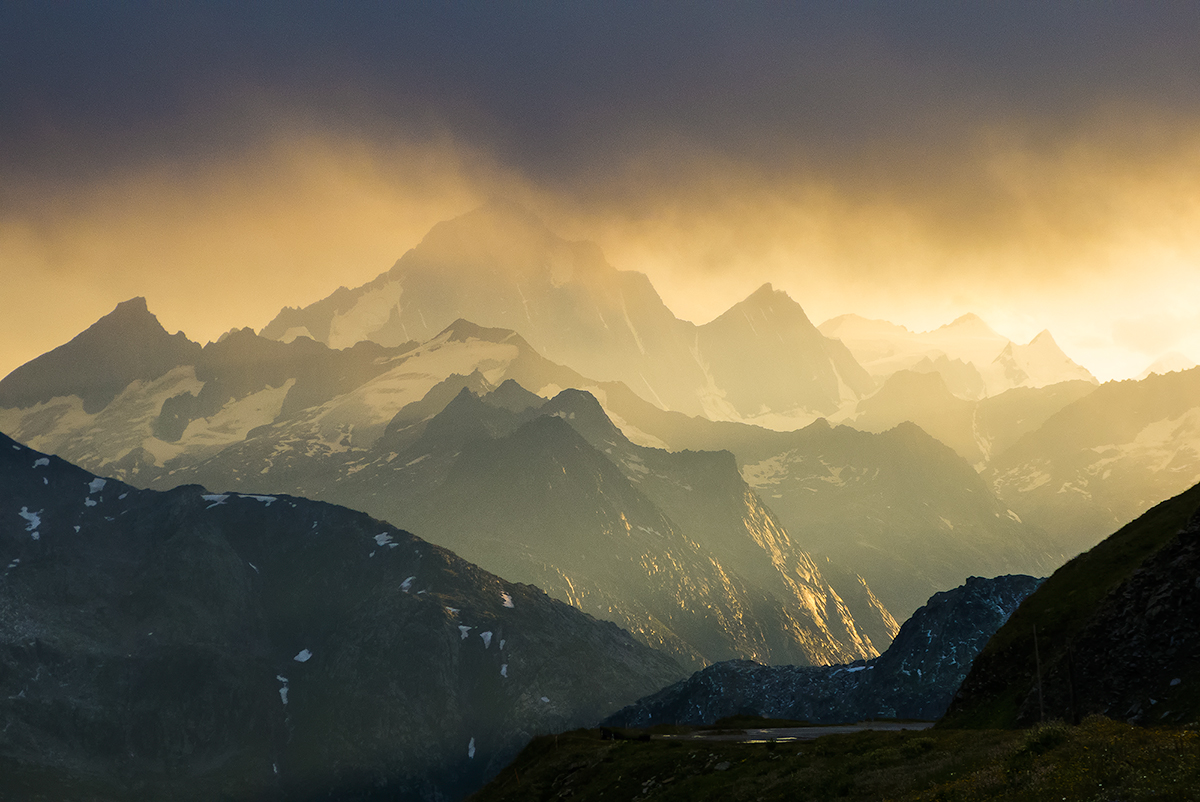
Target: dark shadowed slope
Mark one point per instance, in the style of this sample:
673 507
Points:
188 645
1117 633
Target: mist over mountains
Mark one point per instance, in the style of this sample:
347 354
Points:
494 296
754 488
499 266
970 356
127 395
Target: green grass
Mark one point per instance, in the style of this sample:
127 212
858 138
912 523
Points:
1098 760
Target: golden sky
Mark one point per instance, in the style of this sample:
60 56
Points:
1042 171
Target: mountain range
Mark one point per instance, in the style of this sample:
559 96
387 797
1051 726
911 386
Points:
675 547
305 419
977 430
887 515
973 360
1104 459
211 590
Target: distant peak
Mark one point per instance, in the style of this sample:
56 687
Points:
852 325
971 323
462 330
129 316
133 312
503 213
126 345
512 396
133 305
238 334
765 293
1169 363
1043 338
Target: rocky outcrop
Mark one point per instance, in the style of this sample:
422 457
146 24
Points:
915 678
190 645
1133 658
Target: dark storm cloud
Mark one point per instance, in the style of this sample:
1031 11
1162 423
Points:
558 90
1002 158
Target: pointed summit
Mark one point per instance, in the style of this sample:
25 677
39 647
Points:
462 330
1038 364
765 352
767 300
134 306
763 293
126 345
585 415
499 236
852 328
969 325
1044 340
1170 362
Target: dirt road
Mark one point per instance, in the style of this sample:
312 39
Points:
786 734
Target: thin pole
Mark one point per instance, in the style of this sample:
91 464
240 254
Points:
1038 660
1071 685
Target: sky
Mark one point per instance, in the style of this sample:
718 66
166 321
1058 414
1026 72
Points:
1035 163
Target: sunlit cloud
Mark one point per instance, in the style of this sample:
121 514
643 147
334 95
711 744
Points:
1094 234
226 243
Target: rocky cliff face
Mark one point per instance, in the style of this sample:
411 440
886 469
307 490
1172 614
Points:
915 678
190 645
674 546
1132 659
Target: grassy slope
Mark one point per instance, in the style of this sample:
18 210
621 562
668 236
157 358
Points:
1003 673
1101 759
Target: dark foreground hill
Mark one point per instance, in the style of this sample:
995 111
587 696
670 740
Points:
1117 633
189 645
1099 760
914 679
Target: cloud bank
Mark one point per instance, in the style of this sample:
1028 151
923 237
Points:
1035 165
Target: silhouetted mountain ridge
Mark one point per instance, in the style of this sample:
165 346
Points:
126 345
914 679
1116 634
